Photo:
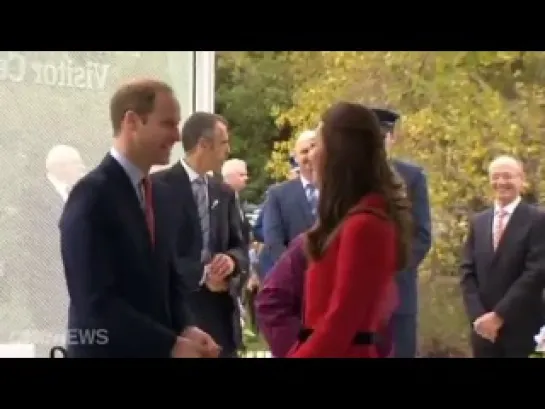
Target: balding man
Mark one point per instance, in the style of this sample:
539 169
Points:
38 267
235 174
64 168
291 206
503 268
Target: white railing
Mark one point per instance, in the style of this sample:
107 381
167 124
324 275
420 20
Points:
29 351
257 354
17 351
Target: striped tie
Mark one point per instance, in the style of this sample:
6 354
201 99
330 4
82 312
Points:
499 228
312 198
201 198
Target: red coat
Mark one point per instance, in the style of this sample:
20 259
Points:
351 288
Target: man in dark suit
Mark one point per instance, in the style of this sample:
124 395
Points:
127 298
404 324
257 229
503 269
206 226
235 174
290 207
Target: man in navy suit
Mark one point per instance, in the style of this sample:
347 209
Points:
265 260
127 297
290 207
206 226
257 230
404 323
503 268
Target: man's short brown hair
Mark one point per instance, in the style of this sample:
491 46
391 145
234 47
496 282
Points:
198 125
137 96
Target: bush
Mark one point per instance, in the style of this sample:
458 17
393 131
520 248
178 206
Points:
443 324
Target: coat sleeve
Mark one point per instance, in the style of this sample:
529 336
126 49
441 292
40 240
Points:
279 303
236 248
469 284
182 316
364 271
422 219
532 278
273 231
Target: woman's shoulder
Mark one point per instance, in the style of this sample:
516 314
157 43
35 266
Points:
364 221
368 218
367 230
371 209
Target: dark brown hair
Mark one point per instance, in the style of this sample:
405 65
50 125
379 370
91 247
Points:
197 126
137 96
353 164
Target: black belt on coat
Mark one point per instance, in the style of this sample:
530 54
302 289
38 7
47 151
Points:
361 338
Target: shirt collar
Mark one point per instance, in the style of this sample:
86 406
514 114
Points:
191 173
510 208
132 171
304 181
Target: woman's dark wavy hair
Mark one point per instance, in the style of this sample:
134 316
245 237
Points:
353 164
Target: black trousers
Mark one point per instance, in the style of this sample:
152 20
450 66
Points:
521 346
404 328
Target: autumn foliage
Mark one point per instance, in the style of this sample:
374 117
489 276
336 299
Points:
460 109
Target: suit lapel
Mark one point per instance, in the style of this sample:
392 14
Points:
302 201
181 185
483 237
129 204
160 211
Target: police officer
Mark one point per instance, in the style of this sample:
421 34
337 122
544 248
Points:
404 323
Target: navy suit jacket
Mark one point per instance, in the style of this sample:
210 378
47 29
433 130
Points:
417 189
286 215
124 292
257 230
265 262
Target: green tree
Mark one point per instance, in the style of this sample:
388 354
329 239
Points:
251 89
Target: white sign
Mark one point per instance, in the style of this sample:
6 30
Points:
52 98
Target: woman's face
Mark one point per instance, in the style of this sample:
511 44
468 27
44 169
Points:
315 155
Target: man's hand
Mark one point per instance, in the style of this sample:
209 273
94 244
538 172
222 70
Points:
488 325
207 346
186 348
222 266
253 283
216 284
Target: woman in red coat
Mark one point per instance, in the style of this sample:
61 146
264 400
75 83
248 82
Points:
360 241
